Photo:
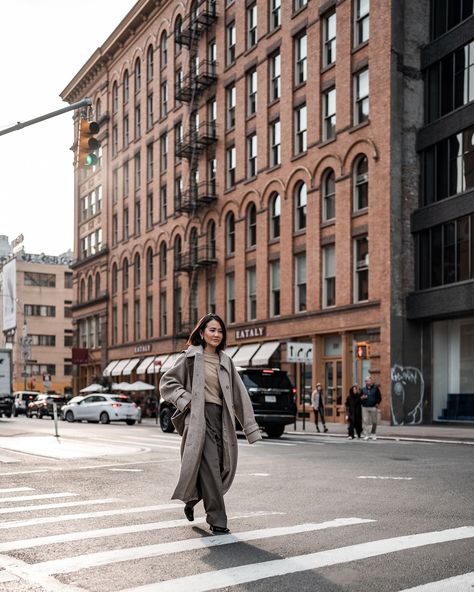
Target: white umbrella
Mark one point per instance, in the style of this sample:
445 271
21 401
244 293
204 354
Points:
92 388
139 385
121 386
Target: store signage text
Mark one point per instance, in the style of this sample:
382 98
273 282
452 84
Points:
250 332
142 349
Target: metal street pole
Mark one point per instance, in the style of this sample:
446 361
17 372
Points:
87 102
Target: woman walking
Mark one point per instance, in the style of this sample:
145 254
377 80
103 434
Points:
354 412
208 393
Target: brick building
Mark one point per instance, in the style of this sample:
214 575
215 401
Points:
259 159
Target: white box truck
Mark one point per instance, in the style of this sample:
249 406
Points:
6 395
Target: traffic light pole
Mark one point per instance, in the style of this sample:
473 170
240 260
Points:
87 102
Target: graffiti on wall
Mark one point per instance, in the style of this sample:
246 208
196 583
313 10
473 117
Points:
408 388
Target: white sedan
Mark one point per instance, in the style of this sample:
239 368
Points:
101 407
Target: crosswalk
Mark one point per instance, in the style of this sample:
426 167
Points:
26 563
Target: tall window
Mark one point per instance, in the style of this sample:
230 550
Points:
300 282
138 75
252 25
230 297
178 86
275 213
163 260
164 99
211 240
361 96
163 50
230 233
251 293
329 195
125 333
138 122
275 14
136 320
252 92
163 314
301 54
149 163
137 274
149 265
125 275
126 179
446 14
329 275
178 25
275 143
137 161
126 131
178 193
361 183
126 228
149 63
301 126
149 211
114 279
251 220
163 203
301 199
149 111
163 151
177 253
211 294
115 100
297 4
361 21
274 288
114 325
329 38
138 219
361 269
126 87
231 104
149 317
329 114
275 76
231 162
252 156
230 44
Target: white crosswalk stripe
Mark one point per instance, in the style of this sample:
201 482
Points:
24 498
464 583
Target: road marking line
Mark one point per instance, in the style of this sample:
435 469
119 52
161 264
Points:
127 470
17 569
24 498
138 443
8 489
214 580
90 502
268 442
464 583
114 531
67 517
84 467
25 472
381 477
70 564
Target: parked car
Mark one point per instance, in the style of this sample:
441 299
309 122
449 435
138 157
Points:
42 406
273 400
6 405
101 407
22 399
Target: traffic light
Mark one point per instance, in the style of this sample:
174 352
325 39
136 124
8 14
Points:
362 350
87 144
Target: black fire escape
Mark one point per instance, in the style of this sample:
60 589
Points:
197 141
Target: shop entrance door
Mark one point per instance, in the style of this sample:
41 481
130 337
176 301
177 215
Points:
334 408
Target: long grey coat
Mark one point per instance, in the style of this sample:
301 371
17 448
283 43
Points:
175 388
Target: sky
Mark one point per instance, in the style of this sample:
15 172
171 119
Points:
43 44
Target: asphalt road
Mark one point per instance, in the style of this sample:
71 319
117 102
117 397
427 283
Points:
91 511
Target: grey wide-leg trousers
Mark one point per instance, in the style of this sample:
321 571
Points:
209 483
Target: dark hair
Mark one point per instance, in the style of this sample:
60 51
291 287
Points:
195 337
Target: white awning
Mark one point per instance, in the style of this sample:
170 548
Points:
262 357
245 353
230 351
118 369
142 368
109 367
155 367
169 362
130 366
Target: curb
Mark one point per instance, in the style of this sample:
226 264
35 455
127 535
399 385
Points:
394 438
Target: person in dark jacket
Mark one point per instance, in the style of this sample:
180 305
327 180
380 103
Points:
317 402
371 398
354 412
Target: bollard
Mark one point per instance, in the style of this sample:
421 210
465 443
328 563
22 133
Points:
55 417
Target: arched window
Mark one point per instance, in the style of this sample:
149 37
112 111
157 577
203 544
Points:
163 50
194 13
251 219
177 253
115 99
211 240
230 234
275 212
136 270
138 74
193 246
149 63
301 199
89 288
97 285
149 265
178 25
114 278
82 292
328 195
126 86
361 183
125 275
163 262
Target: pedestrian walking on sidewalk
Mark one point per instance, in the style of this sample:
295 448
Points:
208 392
317 401
354 412
371 398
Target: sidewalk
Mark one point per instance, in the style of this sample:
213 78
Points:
453 433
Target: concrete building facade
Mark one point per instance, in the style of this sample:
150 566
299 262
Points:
258 159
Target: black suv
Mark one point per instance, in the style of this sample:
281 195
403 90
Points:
272 395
